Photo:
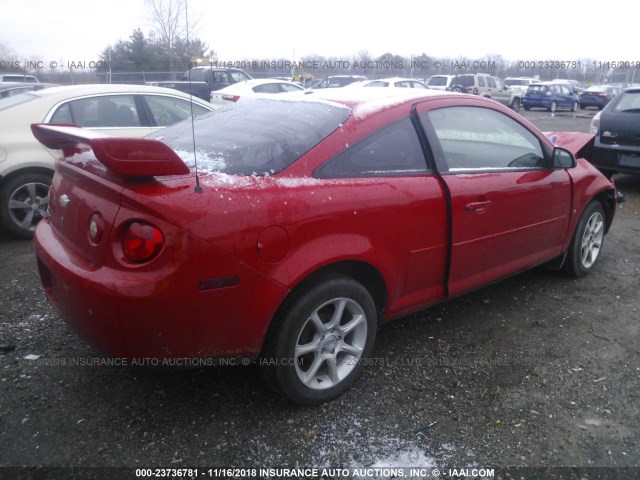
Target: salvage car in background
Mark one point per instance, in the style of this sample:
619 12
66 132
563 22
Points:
551 97
26 167
393 82
486 86
306 225
252 88
598 96
617 130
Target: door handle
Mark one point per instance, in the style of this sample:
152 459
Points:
478 207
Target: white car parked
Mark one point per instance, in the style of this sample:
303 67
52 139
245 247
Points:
26 166
251 88
393 82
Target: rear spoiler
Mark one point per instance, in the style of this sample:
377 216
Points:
128 157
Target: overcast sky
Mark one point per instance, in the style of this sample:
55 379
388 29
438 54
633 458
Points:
78 30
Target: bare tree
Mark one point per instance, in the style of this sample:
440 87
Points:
168 20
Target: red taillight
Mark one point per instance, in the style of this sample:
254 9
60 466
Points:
231 98
141 242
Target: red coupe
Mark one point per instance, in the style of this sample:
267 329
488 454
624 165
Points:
286 230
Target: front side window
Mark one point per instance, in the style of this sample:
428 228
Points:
169 110
392 151
491 82
479 139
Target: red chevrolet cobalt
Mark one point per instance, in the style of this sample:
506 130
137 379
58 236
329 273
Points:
288 229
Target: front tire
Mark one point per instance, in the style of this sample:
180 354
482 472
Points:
587 241
24 201
316 348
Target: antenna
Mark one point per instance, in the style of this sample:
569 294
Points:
198 188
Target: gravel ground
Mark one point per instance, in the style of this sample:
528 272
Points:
536 371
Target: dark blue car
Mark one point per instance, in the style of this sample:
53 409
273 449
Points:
551 96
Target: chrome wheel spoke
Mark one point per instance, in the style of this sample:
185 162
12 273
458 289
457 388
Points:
313 347
27 220
332 365
354 350
18 204
357 320
338 313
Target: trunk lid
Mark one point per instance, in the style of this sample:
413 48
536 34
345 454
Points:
86 192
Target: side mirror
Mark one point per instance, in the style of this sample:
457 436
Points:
563 158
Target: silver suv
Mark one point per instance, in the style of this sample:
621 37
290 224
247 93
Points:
487 86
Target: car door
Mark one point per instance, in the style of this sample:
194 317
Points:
509 211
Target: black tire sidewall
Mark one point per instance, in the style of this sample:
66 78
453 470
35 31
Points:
290 322
573 264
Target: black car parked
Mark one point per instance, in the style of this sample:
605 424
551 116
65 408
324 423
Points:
598 96
617 130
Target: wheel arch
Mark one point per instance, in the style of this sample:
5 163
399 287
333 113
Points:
24 171
362 272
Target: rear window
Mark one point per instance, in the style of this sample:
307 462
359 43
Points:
438 81
627 102
377 83
516 81
463 80
537 89
255 137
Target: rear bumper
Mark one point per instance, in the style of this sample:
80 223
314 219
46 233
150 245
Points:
625 159
162 313
536 102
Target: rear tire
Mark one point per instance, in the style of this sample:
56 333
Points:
515 105
317 346
587 241
553 107
24 201
575 107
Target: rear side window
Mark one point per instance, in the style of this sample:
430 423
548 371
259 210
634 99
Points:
391 151
463 80
256 137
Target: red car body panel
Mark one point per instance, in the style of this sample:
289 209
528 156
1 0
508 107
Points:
233 253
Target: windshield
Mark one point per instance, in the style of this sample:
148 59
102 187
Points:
256 137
